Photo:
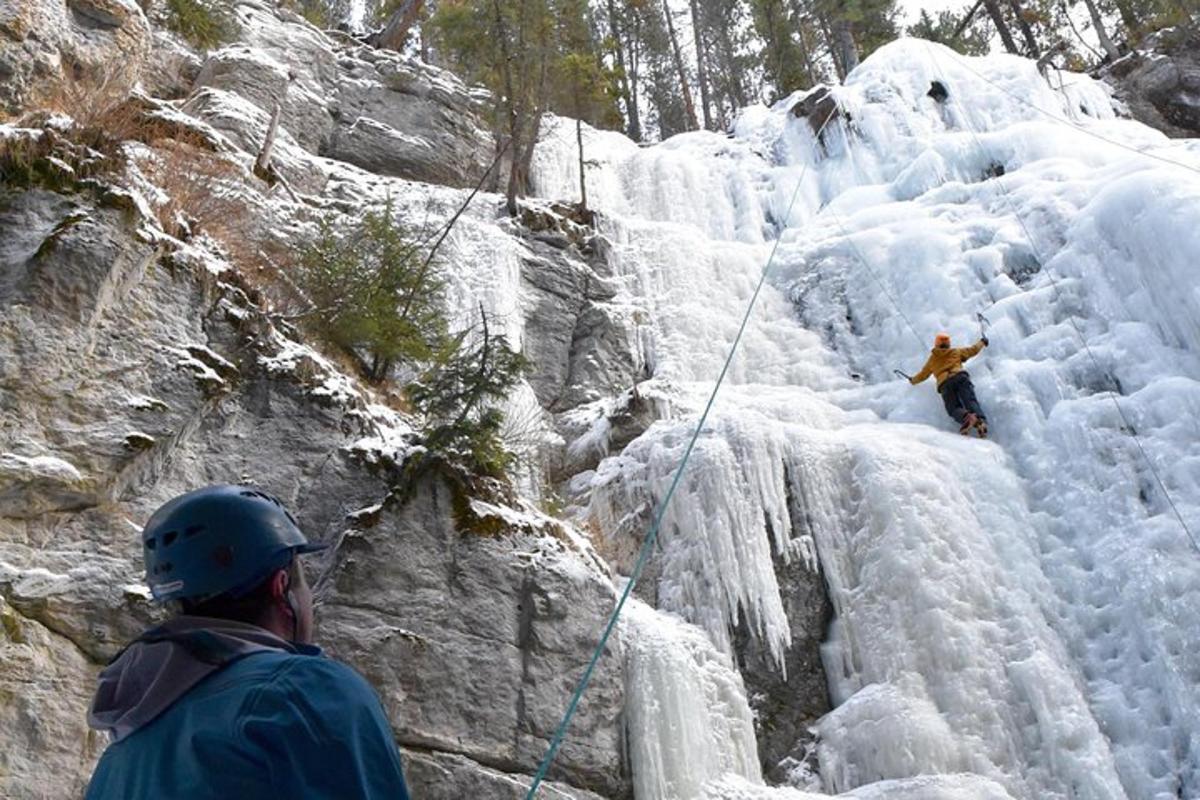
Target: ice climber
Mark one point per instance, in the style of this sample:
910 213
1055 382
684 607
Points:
229 699
954 382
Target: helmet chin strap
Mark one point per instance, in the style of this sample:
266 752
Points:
291 604
290 599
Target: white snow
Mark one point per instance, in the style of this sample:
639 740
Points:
1016 617
143 402
25 468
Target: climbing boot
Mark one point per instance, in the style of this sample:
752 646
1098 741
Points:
981 427
969 421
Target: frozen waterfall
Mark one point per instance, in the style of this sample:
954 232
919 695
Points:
1015 618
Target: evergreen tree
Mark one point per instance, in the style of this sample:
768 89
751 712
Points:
373 292
972 40
535 56
785 65
505 45
460 395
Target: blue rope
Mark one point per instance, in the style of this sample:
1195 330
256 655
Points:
647 545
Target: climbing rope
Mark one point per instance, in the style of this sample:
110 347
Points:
1075 325
862 258
652 535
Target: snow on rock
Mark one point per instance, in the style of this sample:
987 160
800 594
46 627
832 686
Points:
34 484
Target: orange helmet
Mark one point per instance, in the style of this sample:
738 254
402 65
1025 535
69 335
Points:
941 340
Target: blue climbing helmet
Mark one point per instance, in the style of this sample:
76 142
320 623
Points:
218 540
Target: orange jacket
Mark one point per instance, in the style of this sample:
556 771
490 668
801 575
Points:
944 362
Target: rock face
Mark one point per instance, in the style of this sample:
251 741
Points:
788 703
476 641
44 684
582 344
82 44
371 108
1160 82
150 371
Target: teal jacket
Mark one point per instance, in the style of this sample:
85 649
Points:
260 721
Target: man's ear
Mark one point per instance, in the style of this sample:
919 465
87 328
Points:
280 583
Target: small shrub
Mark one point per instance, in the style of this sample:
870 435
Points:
203 23
373 292
58 160
91 97
459 396
315 11
199 187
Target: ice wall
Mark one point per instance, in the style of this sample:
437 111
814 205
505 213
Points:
686 710
1021 610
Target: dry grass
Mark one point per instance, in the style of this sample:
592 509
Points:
89 97
208 194
201 189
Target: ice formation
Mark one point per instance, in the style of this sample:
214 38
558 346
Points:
1016 617
687 715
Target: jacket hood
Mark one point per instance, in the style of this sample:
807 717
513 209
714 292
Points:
161 665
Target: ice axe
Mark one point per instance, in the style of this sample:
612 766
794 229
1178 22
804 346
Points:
901 373
983 326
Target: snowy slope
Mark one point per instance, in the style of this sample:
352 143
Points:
1021 610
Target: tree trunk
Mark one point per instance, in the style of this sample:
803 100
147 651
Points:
736 89
962 26
1130 20
527 156
395 31
772 62
633 125
688 106
1026 30
1110 49
845 45
582 167
838 66
515 114
534 129
701 68
993 9
806 54
1047 57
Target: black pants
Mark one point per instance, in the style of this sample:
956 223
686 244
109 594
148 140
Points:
958 394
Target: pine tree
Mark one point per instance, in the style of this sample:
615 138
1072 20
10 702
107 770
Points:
373 292
460 394
617 45
721 30
784 62
536 56
969 39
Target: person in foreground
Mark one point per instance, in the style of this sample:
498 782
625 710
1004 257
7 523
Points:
230 699
954 382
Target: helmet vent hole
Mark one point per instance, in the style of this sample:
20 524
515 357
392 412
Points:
151 543
223 555
169 537
164 567
192 530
